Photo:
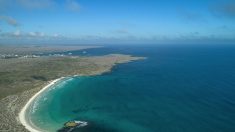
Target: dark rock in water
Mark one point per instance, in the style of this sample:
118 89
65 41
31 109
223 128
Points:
71 125
65 129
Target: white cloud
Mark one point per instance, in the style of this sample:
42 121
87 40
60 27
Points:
121 31
73 5
9 20
36 34
4 4
30 35
17 33
8 5
55 35
35 4
225 9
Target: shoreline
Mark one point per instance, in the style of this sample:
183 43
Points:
16 105
22 115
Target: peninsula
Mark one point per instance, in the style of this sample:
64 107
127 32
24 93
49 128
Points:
22 78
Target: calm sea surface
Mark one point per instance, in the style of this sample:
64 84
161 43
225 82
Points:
179 88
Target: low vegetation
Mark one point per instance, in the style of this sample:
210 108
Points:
20 74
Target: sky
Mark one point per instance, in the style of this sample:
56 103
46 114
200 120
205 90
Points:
117 21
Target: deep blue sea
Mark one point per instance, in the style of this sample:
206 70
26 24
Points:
178 88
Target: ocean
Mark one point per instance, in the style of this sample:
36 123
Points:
178 88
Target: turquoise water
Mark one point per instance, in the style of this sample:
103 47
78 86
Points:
180 88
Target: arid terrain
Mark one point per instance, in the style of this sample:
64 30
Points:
20 78
23 50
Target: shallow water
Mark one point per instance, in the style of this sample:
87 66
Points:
180 88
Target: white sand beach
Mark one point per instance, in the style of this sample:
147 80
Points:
22 114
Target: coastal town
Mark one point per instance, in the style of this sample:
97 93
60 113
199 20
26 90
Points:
10 56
